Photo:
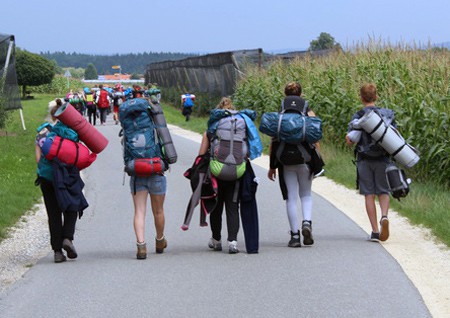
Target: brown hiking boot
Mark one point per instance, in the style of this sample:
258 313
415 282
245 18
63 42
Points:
384 233
141 251
160 245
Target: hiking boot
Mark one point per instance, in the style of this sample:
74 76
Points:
141 251
70 249
384 233
214 244
232 247
160 245
59 257
307 233
374 237
295 240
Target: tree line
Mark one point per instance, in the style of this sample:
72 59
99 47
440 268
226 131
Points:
132 63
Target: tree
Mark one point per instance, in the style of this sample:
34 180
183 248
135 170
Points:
324 42
91 72
33 70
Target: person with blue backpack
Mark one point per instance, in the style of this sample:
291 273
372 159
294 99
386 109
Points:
294 170
146 160
187 101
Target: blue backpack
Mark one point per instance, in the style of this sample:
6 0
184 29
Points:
140 139
188 102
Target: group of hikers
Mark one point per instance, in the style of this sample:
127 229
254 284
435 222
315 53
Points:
101 100
221 175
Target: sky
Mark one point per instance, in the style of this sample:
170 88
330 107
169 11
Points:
211 26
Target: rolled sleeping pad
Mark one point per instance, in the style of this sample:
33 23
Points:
157 114
389 139
68 151
87 133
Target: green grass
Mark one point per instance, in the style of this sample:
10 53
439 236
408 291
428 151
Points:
17 162
427 204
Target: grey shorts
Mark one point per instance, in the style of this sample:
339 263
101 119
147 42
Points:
372 176
155 184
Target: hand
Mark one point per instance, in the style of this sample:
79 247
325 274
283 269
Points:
272 174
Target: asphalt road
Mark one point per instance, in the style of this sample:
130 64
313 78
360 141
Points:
342 275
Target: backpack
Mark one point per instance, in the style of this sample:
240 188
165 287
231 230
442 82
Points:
229 149
140 139
103 101
397 181
288 153
188 102
89 99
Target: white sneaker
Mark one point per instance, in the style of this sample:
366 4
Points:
214 244
232 247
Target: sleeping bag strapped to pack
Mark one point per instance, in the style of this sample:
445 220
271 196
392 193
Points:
140 140
68 152
229 149
291 125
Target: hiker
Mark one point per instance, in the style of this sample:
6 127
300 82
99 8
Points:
295 174
89 97
371 163
145 164
117 101
102 100
223 120
187 102
61 223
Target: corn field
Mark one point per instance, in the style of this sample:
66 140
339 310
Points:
414 83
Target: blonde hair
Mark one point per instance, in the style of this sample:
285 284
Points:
225 103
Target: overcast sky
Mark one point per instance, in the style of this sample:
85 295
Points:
209 26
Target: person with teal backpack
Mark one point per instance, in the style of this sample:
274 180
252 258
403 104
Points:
61 220
295 171
147 155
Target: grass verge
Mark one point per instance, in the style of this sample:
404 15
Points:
17 162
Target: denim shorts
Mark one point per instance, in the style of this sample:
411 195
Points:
154 184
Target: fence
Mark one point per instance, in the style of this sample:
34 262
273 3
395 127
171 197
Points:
213 74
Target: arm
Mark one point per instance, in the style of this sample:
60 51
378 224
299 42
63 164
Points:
272 173
204 146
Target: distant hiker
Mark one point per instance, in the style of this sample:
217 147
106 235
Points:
61 222
230 145
371 163
89 98
103 101
187 102
294 171
118 99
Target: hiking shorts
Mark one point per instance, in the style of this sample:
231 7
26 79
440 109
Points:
155 184
372 176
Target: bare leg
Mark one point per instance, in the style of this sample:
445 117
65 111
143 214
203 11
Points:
140 210
157 202
384 204
372 212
